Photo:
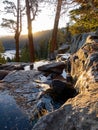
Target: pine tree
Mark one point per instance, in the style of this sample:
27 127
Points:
15 25
85 17
1 47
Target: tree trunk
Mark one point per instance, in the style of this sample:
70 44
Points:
53 43
30 35
17 34
17 47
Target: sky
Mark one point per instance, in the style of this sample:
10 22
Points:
44 21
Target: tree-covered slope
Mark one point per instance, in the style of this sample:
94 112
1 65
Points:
9 42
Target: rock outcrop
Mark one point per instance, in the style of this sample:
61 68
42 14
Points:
55 67
63 48
80 112
5 69
31 88
85 56
72 81
3 73
78 40
38 91
29 94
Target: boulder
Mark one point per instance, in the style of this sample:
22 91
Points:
62 57
11 67
80 112
5 67
45 103
55 67
78 41
63 48
3 73
63 89
21 76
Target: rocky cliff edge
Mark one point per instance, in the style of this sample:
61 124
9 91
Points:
80 112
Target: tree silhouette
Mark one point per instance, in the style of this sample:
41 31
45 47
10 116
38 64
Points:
31 11
53 43
15 25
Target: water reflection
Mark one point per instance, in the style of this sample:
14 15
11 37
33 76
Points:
11 116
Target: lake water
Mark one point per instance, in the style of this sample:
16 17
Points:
11 116
9 53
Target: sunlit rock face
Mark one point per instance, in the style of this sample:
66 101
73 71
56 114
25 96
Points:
87 53
80 112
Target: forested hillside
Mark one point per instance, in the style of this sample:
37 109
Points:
9 42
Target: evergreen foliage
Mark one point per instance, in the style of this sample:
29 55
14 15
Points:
85 18
2 59
25 55
1 47
61 37
43 49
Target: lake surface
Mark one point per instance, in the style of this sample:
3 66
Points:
11 116
9 53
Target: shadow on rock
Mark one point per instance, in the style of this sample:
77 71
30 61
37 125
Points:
61 91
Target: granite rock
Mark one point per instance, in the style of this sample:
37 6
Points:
80 112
